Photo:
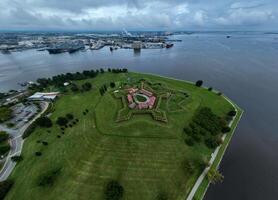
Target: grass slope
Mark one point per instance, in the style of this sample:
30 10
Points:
144 155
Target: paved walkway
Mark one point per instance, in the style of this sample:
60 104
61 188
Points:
213 156
16 143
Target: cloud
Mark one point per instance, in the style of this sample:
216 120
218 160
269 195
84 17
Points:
137 14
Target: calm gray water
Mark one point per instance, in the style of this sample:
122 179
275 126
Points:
244 67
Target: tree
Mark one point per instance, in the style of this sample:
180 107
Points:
232 113
5 186
69 116
101 70
226 129
17 158
3 136
49 177
44 122
162 196
62 121
114 191
112 84
4 148
214 176
210 89
38 153
199 83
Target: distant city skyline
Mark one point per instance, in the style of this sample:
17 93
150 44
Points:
138 15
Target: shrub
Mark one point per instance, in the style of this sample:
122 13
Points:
5 186
219 93
62 121
114 191
232 113
199 83
17 158
49 177
45 143
58 136
44 122
210 89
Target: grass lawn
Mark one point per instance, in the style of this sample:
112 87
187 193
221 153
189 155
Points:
145 156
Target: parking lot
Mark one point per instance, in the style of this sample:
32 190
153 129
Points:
22 114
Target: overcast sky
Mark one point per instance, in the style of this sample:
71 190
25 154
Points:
139 14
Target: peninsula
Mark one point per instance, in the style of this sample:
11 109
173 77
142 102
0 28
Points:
114 134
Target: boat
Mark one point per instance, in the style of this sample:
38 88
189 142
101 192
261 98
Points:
169 45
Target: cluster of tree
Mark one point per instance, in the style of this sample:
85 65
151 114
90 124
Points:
5 186
5 113
49 178
205 126
86 86
124 70
102 89
44 122
63 121
114 191
74 87
60 79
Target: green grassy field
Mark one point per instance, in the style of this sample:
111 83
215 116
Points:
144 155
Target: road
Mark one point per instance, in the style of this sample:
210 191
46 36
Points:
16 143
